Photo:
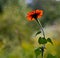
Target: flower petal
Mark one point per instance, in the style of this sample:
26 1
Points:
36 13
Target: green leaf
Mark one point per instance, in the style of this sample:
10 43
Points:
50 56
38 32
38 51
49 40
42 40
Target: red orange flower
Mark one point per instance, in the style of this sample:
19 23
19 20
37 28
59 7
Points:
34 14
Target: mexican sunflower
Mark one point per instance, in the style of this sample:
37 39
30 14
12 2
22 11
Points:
34 14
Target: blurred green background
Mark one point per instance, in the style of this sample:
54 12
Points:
17 34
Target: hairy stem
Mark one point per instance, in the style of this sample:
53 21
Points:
39 23
43 47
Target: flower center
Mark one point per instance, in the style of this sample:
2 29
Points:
35 16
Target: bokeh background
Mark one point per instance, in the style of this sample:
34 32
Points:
17 34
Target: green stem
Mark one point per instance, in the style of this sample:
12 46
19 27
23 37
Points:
42 51
39 23
43 47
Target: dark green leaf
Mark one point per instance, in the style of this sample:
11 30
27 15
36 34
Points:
49 40
50 56
38 51
38 32
42 40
